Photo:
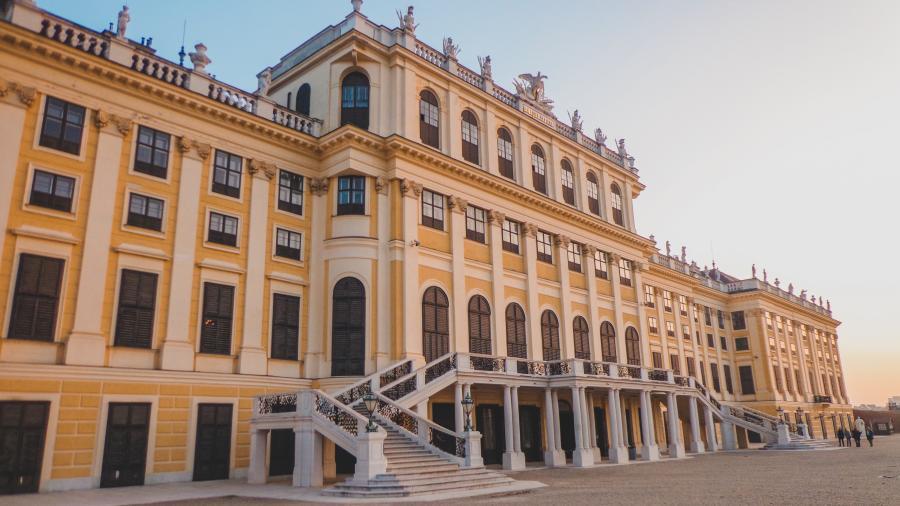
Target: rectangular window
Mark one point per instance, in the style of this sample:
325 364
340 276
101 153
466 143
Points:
778 384
729 386
724 343
714 371
685 332
145 212
601 264
779 324
135 313
222 229
721 317
285 326
215 328
799 381
227 174
573 254
287 244
737 320
544 247
510 233
653 324
695 313
351 195
670 329
707 316
702 373
741 344
36 298
789 384
624 272
710 341
682 305
152 152
676 366
657 360
746 374
768 320
290 192
432 209
649 296
63 126
475 224
667 300
52 191
690 366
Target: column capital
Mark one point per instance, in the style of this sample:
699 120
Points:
381 185
590 250
614 258
496 217
457 204
319 186
24 94
408 185
103 119
562 240
261 170
193 149
638 265
529 229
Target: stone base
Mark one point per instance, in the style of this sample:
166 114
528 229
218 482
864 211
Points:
582 457
513 461
650 452
618 455
784 434
676 451
598 456
177 356
85 349
252 361
697 447
554 458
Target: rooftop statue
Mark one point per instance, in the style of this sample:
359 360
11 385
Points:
408 21
199 58
828 304
600 137
777 283
450 49
577 121
485 64
357 5
620 144
531 88
803 294
791 288
668 249
753 270
765 276
264 81
684 253
122 24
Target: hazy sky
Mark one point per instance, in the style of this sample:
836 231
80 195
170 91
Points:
764 131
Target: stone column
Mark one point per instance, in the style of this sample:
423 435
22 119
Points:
661 316
384 306
317 333
581 456
621 356
649 450
256 474
696 442
87 343
412 312
531 291
517 437
592 418
629 206
679 338
307 456
638 267
252 359
676 447
692 326
593 302
586 421
711 443
511 459
618 453
457 406
14 103
550 448
565 298
496 219
458 265
557 434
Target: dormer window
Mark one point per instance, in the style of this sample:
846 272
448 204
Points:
568 183
355 100
429 119
538 171
470 137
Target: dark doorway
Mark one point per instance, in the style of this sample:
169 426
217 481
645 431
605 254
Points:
444 414
344 461
212 453
489 422
754 437
125 450
281 452
566 428
348 328
632 448
530 430
23 427
602 433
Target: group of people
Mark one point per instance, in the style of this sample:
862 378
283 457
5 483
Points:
855 433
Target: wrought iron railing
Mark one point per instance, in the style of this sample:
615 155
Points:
276 403
355 393
629 371
401 389
336 412
392 375
560 368
443 439
824 399
657 375
683 381
486 363
441 368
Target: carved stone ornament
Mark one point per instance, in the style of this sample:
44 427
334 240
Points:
614 258
457 204
319 186
103 119
496 217
261 169
185 144
407 185
562 240
529 229
25 94
381 183
590 250
203 149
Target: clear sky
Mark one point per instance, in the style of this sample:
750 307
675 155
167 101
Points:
764 131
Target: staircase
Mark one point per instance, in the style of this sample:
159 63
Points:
800 443
413 470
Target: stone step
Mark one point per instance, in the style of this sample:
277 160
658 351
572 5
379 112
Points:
468 477
406 452
419 469
415 459
371 489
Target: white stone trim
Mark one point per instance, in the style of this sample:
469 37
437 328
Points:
85 127
47 484
72 215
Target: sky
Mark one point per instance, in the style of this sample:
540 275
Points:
764 131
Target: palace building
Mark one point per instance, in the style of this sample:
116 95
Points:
200 282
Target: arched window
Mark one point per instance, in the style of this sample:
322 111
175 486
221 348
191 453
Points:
435 323
479 325
355 100
538 172
470 137
516 345
582 338
429 119
633 346
303 99
550 335
568 183
348 328
288 104
608 342
593 193
617 205
505 153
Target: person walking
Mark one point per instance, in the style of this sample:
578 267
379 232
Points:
840 436
857 434
870 435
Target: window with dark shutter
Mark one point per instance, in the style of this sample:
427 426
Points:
657 359
582 337
52 191
593 194
435 323
227 174
746 374
348 328
36 298
429 119
675 363
62 126
538 171
505 153
218 310
285 326
516 344
355 100
741 344
137 305
690 366
470 137
290 192
729 387
152 152
145 212
568 183
550 335
479 325
608 341
633 346
714 370
737 320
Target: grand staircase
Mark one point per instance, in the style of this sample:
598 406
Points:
800 443
413 470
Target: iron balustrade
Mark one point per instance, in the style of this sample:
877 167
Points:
441 368
337 413
487 363
401 389
276 403
395 373
683 381
596 368
355 393
658 375
558 369
629 371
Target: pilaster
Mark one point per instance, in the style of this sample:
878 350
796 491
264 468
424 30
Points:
617 307
531 291
412 308
458 263
315 363
384 305
637 269
565 297
496 219
593 301
15 100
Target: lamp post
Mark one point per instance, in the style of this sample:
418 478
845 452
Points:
780 415
467 403
370 400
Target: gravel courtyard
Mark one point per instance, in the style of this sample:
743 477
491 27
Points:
841 476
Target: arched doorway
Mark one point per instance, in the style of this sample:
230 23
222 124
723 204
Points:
348 328
435 323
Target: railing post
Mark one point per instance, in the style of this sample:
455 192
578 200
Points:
420 378
473 449
670 376
257 472
574 364
692 382
511 365
644 373
613 370
370 461
463 362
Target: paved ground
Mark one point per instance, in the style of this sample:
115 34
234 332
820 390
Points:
846 476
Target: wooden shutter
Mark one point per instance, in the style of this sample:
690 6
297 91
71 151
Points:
435 323
36 298
608 342
285 326
633 346
137 302
348 328
550 335
581 338
218 311
516 345
479 325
